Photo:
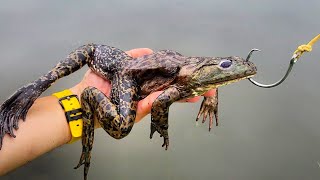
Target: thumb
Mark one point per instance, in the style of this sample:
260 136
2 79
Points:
139 52
144 106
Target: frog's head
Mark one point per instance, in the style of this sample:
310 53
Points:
214 72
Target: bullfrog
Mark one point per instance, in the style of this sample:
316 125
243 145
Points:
132 79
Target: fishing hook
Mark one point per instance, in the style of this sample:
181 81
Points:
296 55
292 62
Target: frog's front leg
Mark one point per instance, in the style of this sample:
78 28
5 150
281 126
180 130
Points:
160 113
116 115
209 107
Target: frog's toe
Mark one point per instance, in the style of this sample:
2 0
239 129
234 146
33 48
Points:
153 129
79 165
205 115
165 142
81 161
199 114
164 134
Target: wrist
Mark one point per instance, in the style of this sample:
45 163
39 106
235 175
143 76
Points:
77 89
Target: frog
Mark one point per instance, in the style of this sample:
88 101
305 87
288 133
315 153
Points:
132 79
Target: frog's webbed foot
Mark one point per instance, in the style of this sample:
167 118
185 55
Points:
209 107
160 112
17 106
163 131
87 142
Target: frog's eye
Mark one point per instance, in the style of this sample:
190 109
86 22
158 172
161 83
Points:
225 64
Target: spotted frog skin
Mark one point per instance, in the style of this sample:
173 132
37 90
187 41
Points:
132 79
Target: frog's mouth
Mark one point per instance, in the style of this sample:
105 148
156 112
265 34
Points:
232 81
201 90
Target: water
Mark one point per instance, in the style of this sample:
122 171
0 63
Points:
264 133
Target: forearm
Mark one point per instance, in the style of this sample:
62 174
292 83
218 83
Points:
44 129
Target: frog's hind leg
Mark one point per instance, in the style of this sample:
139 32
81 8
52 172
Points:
115 116
209 107
88 132
17 106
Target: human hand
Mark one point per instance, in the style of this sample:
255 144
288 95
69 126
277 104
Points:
144 106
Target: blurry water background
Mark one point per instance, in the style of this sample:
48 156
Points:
263 134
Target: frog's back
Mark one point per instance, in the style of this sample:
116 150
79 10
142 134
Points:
156 60
156 71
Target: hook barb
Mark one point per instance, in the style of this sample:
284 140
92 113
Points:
250 53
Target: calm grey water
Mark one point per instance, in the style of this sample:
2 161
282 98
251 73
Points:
264 133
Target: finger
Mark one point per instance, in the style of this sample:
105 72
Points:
144 106
93 79
210 93
139 52
87 73
197 98
191 100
